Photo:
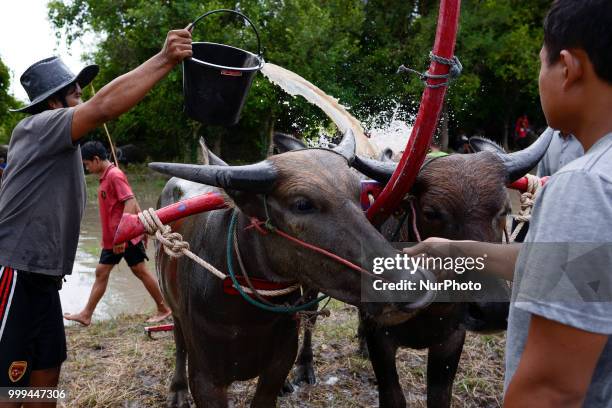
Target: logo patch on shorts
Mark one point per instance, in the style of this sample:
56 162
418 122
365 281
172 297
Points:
17 370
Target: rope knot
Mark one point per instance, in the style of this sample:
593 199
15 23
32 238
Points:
175 247
172 242
454 71
527 202
257 224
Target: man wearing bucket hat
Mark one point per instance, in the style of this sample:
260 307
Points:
42 200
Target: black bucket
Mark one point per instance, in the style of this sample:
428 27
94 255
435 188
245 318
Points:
217 79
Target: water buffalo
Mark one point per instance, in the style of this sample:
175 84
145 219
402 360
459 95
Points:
311 194
455 197
130 153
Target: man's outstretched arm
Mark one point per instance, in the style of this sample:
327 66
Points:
122 93
500 258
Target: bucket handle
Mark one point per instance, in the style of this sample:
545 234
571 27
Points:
190 26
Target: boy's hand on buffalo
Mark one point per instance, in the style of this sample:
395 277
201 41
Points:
437 248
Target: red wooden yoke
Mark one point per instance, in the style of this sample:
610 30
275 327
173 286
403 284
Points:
427 119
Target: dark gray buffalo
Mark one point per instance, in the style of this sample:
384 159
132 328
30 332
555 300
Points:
454 197
311 194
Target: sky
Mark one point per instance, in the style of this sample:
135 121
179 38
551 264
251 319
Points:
26 36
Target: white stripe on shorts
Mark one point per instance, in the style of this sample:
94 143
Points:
8 304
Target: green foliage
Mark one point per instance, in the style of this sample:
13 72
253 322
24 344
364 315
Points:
498 44
312 39
349 48
8 120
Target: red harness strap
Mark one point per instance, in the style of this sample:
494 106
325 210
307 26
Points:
258 283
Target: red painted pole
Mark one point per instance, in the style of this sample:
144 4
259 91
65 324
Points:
429 111
130 226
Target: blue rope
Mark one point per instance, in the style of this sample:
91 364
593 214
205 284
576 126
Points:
232 275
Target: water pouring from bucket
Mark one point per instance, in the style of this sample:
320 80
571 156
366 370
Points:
217 78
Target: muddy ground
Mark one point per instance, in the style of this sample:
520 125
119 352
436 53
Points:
114 364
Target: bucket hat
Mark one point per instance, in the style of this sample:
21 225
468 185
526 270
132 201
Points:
46 77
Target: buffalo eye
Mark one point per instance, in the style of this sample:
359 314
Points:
302 205
432 214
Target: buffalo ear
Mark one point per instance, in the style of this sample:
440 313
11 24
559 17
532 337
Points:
206 157
482 144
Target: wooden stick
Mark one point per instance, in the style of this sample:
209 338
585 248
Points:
110 141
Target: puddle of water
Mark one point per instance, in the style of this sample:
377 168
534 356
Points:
125 293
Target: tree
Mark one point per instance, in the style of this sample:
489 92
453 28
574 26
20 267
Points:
498 44
8 120
349 48
312 38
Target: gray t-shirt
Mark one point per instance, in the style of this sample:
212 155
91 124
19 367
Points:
564 269
43 195
561 151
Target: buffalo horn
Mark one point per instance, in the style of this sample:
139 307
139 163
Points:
347 146
380 171
254 178
519 163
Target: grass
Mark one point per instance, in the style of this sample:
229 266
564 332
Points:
113 364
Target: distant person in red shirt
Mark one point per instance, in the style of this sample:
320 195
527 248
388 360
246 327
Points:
521 131
115 197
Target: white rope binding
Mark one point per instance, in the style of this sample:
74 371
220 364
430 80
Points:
527 201
175 247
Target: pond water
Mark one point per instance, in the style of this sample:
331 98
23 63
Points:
125 293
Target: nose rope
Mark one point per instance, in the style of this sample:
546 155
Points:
414 224
257 225
175 247
240 289
269 227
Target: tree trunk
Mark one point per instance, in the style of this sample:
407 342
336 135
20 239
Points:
506 134
216 148
270 150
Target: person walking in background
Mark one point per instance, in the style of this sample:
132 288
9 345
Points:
42 200
115 197
562 150
521 132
